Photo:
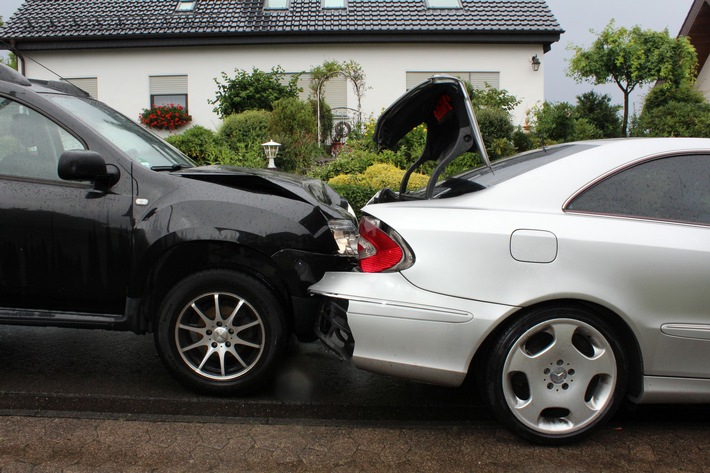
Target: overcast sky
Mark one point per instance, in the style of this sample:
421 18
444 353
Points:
577 17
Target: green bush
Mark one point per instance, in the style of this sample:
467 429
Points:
193 142
196 142
411 146
241 136
358 188
223 154
379 176
463 163
674 111
663 94
357 196
256 91
675 119
350 160
555 122
491 97
602 119
586 130
497 131
246 128
522 141
326 117
293 124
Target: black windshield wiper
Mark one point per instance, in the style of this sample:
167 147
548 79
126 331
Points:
172 167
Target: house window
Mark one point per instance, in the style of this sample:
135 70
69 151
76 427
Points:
90 85
479 80
334 4
166 90
276 4
443 3
186 5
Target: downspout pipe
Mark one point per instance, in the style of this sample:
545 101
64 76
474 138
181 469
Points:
20 58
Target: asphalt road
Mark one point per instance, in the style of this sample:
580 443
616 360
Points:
119 374
73 400
50 369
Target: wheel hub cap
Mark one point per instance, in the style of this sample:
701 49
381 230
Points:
220 335
558 375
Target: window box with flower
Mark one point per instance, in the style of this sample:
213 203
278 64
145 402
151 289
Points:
165 117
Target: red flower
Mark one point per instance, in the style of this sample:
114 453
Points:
165 117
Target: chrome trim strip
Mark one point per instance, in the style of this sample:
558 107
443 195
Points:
696 331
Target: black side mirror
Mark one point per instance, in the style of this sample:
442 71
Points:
84 165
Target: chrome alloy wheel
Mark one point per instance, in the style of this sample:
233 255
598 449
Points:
220 336
559 376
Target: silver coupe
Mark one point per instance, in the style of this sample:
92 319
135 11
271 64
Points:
565 279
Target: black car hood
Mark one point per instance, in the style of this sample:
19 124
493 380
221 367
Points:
309 190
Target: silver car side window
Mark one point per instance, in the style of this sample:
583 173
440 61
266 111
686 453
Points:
672 188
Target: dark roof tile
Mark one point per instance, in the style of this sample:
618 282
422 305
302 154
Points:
45 19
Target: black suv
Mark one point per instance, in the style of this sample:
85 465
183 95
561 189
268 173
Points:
105 225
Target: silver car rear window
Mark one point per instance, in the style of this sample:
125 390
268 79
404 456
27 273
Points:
509 168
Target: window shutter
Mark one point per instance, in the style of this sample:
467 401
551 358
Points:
87 84
168 85
335 92
477 79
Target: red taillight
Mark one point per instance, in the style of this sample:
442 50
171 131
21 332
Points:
377 250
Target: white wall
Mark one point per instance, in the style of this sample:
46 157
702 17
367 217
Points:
123 73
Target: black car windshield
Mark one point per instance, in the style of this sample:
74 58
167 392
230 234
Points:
500 171
138 143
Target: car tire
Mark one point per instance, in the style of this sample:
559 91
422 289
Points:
221 332
556 375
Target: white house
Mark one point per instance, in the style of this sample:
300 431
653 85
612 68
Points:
131 53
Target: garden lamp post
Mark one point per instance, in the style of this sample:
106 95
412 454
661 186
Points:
271 149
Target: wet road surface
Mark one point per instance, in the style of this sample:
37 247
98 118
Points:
74 400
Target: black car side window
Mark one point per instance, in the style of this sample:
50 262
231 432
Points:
30 143
675 189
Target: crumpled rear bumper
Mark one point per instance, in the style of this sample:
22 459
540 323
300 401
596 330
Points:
332 328
393 327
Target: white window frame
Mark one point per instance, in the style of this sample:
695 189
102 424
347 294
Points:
184 6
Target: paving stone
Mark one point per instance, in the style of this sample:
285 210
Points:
94 445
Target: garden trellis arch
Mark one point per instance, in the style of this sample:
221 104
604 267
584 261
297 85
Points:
352 73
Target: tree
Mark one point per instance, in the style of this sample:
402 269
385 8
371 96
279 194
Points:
631 58
599 112
555 121
293 124
256 91
491 97
11 58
